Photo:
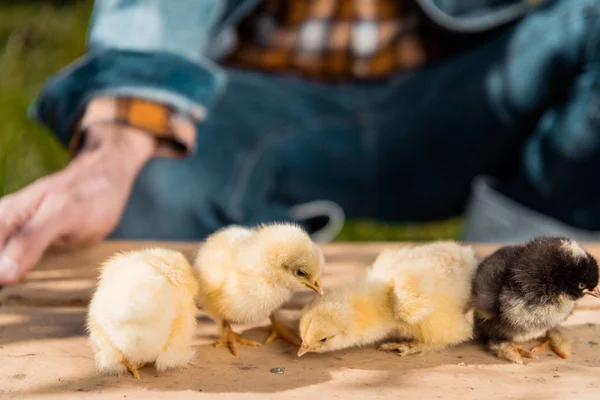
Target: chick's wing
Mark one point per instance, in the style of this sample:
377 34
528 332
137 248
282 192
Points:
427 277
490 278
216 258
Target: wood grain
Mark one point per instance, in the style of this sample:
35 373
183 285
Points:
44 353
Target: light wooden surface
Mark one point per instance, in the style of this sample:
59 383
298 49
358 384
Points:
44 353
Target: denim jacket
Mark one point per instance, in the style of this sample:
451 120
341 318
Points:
166 51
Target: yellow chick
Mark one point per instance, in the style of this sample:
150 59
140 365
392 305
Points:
246 274
143 311
420 294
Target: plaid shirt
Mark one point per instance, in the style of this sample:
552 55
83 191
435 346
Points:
321 39
336 39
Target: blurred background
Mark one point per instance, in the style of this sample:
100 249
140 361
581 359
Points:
38 38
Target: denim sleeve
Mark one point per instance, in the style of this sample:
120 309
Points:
471 16
150 49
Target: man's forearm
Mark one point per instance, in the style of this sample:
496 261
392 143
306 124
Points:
131 147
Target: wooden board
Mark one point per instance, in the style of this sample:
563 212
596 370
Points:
44 353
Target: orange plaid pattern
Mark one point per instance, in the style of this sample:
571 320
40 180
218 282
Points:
175 133
336 39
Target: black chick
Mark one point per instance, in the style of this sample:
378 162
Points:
525 292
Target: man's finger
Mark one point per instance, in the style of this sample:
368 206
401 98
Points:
17 208
8 219
25 248
9 269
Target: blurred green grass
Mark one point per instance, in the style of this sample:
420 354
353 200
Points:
38 38
385 232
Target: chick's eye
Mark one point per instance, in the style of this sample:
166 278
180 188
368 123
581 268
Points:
300 274
323 340
581 286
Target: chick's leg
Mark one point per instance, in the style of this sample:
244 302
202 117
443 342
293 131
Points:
509 351
556 342
230 339
402 348
133 369
280 329
409 348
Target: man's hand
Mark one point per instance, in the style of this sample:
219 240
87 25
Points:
81 204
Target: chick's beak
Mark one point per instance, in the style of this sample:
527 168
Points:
595 292
305 348
316 286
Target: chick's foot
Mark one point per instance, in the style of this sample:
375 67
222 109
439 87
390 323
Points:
133 369
555 342
510 351
230 339
403 348
280 329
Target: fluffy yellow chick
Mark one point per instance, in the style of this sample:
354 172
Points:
247 274
420 294
143 311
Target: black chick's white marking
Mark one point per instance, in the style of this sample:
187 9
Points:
525 292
